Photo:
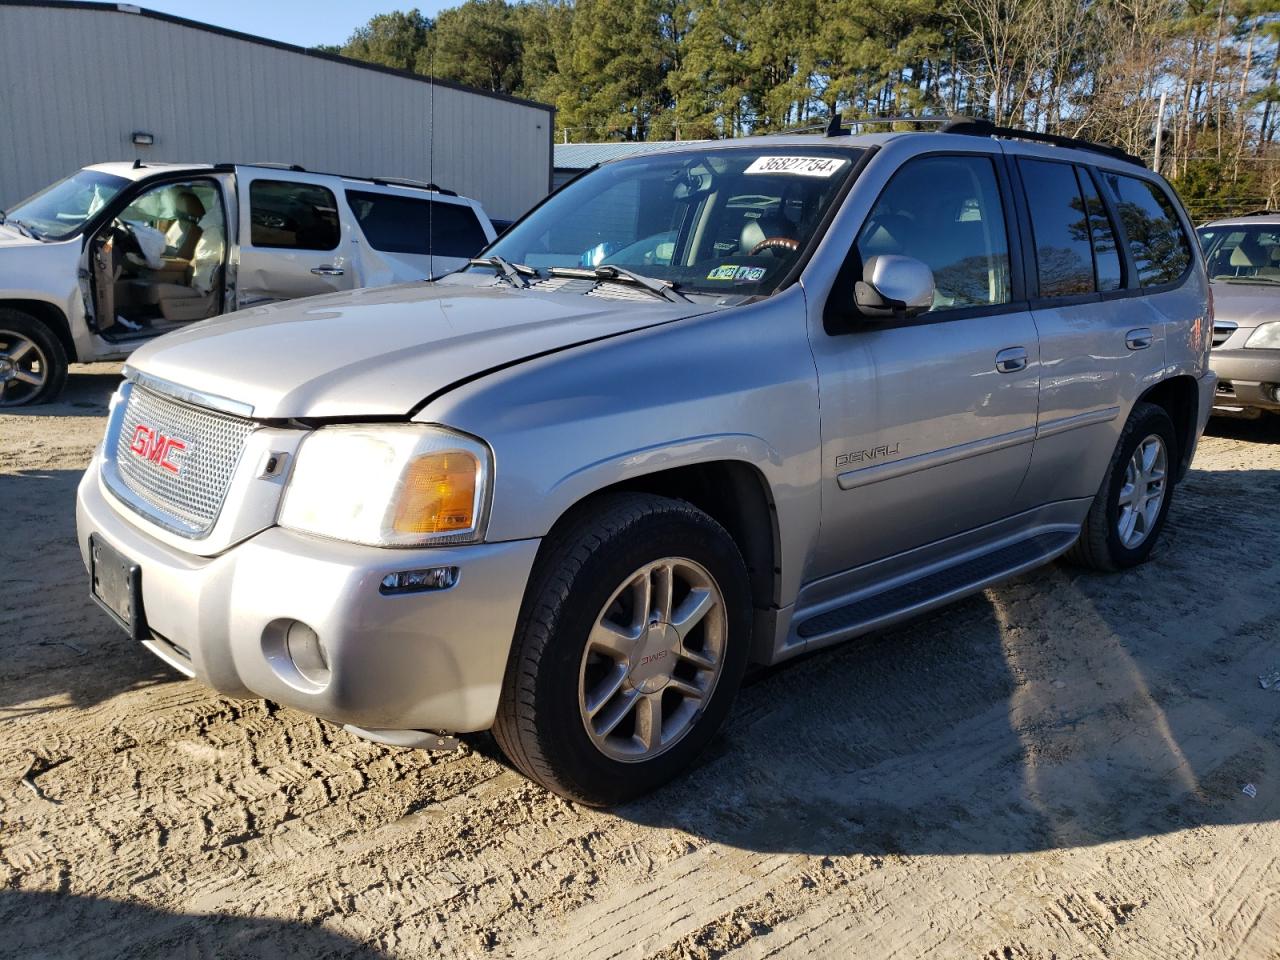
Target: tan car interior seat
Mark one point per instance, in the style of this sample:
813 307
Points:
196 293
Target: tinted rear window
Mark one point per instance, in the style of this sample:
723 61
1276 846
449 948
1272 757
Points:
396 224
1106 256
1160 247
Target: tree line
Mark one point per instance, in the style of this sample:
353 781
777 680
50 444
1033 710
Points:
693 69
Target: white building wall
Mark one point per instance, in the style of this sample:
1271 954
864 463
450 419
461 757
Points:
77 80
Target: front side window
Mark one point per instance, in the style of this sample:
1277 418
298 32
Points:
1060 225
722 221
1248 253
1160 248
295 216
398 224
945 211
59 210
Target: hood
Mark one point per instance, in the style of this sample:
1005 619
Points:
381 351
1246 304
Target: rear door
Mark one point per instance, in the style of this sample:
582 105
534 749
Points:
1101 342
927 423
292 239
409 234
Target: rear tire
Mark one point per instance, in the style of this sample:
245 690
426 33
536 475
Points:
33 364
1113 537
609 693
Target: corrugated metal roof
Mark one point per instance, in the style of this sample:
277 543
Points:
579 156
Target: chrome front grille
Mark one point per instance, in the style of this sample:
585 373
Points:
177 459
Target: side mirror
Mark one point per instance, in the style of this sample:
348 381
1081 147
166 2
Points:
893 286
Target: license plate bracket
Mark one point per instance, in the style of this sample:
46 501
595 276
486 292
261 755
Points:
116 586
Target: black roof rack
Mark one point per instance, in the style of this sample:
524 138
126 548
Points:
406 182
985 128
1264 212
835 128
974 127
224 167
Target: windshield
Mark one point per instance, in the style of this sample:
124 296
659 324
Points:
1248 253
719 221
58 211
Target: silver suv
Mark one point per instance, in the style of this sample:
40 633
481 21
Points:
699 409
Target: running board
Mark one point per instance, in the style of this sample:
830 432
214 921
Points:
934 589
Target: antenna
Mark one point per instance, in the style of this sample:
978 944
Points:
431 156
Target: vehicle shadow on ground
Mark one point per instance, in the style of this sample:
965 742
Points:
51 925
1265 429
1064 708
55 643
87 394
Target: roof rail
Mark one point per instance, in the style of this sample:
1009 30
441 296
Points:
406 182
985 128
1263 212
835 128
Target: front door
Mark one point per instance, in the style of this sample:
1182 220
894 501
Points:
292 240
928 423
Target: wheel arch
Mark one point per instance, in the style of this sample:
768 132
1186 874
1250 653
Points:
1180 398
51 315
734 493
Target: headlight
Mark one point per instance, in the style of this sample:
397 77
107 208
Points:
392 485
1266 336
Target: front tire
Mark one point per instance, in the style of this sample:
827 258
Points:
632 642
1129 512
33 364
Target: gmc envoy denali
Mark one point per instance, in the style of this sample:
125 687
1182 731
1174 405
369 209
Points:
699 409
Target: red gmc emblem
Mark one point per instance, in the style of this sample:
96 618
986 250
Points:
150 444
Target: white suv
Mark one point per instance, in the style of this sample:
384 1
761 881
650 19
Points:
117 253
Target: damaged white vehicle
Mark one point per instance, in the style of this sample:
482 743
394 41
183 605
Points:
118 253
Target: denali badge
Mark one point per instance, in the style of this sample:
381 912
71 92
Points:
150 444
862 456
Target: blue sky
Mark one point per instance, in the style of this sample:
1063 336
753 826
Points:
304 22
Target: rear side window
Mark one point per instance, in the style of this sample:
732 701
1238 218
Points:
1106 255
1064 254
295 216
1160 247
397 224
946 212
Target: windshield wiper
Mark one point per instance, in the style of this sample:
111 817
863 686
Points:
513 273
22 228
659 288
1231 278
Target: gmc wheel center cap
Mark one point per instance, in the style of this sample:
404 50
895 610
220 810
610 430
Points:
655 656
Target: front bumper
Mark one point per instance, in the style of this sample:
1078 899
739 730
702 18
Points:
426 661
1248 380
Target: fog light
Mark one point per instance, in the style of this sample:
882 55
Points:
307 653
416 581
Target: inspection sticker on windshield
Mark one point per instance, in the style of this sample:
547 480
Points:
798 166
730 271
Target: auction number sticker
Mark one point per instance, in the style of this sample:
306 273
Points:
731 271
798 166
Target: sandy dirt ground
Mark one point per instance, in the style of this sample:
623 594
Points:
1052 769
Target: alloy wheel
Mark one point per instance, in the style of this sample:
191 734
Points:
23 368
652 659
1142 494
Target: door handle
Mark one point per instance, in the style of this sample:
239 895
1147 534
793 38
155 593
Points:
1138 339
327 271
1011 359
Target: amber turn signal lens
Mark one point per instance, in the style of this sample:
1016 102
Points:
438 494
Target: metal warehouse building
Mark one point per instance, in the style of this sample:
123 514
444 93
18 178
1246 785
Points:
83 83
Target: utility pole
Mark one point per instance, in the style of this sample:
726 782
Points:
1159 131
